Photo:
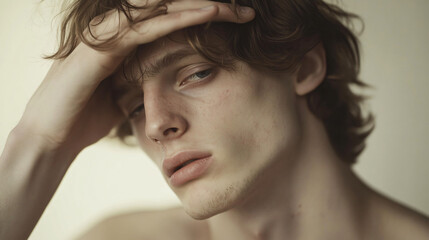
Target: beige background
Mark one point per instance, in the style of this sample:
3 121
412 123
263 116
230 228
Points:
107 178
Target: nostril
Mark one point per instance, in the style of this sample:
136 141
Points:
173 130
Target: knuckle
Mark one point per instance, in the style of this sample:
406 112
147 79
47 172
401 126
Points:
226 6
228 11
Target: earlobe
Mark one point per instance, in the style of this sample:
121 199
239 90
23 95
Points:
312 70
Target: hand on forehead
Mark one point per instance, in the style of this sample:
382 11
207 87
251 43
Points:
150 58
227 11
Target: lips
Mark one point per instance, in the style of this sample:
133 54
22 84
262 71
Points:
185 166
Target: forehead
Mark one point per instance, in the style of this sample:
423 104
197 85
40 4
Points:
149 59
151 51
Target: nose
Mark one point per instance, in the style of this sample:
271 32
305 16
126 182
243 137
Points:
164 120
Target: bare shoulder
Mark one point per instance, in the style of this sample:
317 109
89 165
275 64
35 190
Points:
171 223
394 220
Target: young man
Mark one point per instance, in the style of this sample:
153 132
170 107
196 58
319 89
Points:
251 121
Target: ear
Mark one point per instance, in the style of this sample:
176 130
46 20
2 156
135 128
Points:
312 71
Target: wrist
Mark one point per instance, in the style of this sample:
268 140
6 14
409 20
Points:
100 63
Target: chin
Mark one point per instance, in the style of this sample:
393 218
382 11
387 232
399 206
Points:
205 201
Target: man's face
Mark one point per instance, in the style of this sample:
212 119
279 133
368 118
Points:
245 119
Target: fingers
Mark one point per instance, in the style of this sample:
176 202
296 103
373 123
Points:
226 12
177 18
150 30
243 14
152 23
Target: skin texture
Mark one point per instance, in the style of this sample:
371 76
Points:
55 125
265 144
274 173
224 105
280 179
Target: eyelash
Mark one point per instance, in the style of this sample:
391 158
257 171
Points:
136 111
209 72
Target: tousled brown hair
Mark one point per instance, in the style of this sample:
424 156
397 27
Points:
282 32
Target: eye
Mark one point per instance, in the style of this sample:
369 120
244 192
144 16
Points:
136 111
198 76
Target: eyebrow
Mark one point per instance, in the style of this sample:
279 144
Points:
155 68
152 69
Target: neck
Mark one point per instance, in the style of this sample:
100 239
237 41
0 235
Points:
315 197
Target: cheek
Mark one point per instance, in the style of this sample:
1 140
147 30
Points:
230 119
254 122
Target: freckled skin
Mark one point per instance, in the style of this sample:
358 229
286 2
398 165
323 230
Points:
274 172
245 118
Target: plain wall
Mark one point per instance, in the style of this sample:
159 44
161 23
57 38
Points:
107 178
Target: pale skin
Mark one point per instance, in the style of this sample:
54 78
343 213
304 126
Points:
281 200
277 200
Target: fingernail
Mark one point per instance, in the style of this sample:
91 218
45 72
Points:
208 8
245 10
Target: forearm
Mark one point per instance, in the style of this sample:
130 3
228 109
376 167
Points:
29 176
57 124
